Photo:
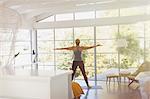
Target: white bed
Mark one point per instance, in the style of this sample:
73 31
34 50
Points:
36 85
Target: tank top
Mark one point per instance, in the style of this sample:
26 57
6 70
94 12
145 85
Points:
77 55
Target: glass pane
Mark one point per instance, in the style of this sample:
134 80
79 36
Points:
133 55
45 34
108 46
5 36
23 35
106 32
147 29
46 59
4 60
22 47
133 11
84 15
5 48
107 13
5 52
62 44
64 60
62 17
147 49
45 46
23 60
64 34
84 33
136 30
63 57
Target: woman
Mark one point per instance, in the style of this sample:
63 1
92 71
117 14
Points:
78 58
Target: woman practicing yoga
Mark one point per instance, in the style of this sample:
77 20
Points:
78 58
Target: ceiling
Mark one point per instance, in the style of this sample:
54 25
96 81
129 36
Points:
43 8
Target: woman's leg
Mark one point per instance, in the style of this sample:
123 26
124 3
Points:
74 67
81 66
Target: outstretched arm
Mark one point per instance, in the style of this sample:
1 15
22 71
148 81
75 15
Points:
85 48
66 48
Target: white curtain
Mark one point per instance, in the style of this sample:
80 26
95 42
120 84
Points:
9 23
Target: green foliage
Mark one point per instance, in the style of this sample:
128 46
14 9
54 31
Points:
133 52
125 63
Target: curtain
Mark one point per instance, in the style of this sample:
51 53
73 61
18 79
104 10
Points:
9 23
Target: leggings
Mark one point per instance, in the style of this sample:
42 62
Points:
81 66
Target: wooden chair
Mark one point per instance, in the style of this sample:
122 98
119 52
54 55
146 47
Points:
112 76
143 67
124 75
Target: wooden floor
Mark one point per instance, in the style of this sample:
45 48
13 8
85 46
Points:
112 91
108 91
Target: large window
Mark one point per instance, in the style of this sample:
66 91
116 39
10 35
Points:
103 59
45 44
134 34
106 55
63 38
23 46
88 56
6 46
